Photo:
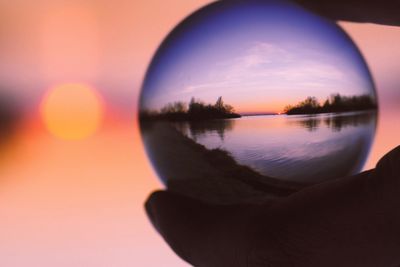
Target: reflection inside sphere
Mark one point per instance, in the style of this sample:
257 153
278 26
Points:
244 95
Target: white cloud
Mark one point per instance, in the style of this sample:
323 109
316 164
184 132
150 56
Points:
263 73
265 65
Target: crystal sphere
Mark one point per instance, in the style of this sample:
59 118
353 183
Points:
250 97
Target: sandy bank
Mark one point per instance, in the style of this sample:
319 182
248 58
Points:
212 175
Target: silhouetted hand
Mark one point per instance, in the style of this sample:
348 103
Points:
381 12
352 221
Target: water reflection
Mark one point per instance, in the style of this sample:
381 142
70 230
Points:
200 129
238 157
213 175
336 122
333 145
311 123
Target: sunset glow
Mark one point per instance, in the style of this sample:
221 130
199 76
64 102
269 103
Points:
72 111
81 203
265 58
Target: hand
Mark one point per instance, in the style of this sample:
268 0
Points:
352 221
380 12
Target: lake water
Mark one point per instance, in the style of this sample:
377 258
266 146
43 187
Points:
301 148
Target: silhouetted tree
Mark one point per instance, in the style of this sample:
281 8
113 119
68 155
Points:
219 105
335 103
176 107
310 102
196 110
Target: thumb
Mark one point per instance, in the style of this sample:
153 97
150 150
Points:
200 233
389 165
380 12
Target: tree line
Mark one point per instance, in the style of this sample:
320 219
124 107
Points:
334 103
195 110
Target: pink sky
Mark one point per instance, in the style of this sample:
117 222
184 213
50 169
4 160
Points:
81 204
258 61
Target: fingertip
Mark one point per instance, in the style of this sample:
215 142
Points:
388 169
169 214
165 206
391 160
154 198
151 207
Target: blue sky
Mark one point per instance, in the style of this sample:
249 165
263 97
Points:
259 55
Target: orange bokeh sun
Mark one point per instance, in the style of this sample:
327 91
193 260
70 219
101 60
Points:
72 111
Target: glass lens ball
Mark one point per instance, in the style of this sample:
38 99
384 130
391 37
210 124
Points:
250 97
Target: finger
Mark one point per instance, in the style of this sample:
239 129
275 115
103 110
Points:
380 12
389 165
200 233
352 221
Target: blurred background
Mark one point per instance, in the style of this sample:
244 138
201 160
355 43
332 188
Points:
72 195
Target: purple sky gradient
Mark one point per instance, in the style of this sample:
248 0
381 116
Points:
260 64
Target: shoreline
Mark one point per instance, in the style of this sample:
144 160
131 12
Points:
213 175
155 120
331 112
